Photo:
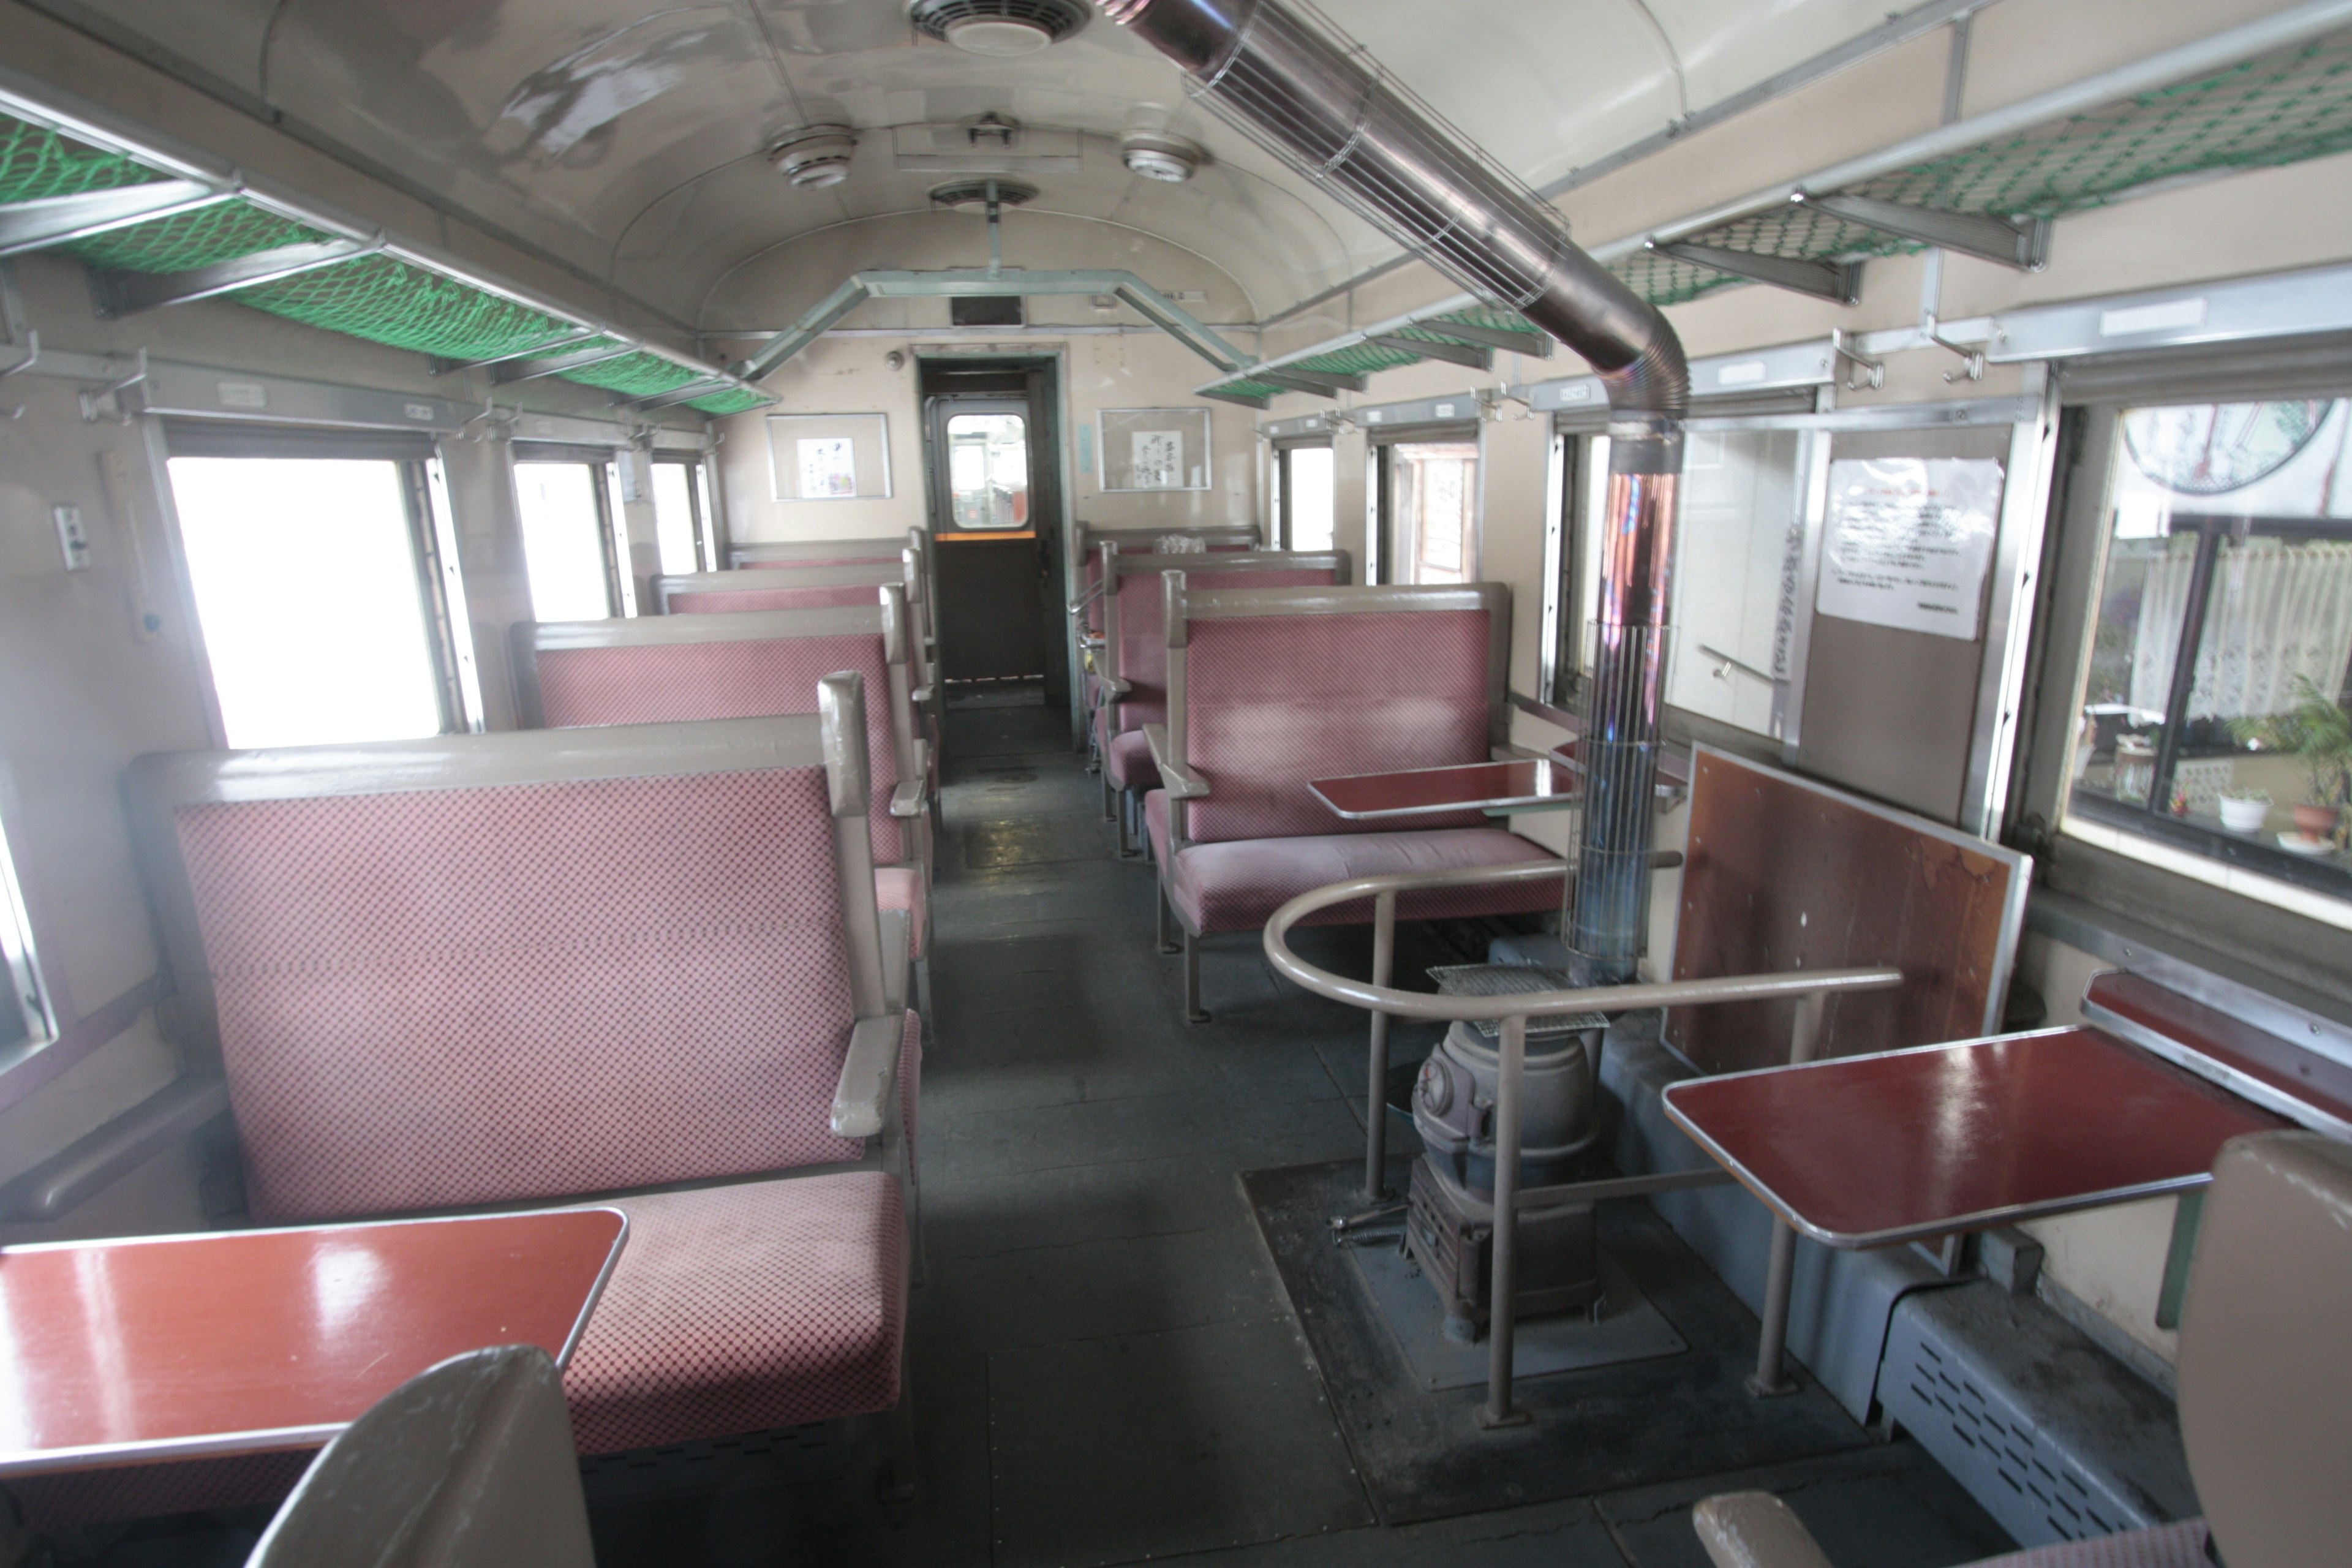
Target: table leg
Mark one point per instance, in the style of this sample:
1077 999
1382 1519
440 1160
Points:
1376 1104
1503 1291
1768 1381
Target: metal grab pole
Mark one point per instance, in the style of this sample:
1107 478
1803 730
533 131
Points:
1503 1292
1780 1266
1376 1102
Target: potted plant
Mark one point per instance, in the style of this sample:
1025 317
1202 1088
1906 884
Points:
2244 810
2317 732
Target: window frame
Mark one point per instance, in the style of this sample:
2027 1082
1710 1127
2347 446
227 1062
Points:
2282 938
620 600
697 500
1383 524
33 1003
1285 493
432 538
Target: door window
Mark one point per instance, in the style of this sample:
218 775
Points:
309 586
988 471
1433 494
566 540
1307 498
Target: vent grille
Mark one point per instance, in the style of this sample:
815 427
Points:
1057 19
973 193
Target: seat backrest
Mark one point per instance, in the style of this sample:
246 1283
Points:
703 593
812 553
670 668
2265 1387
468 1465
490 968
1272 687
1140 656
1088 541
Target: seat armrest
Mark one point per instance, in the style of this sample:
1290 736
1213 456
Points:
920 695
907 800
897 957
1183 782
1754 1530
868 1074
1114 685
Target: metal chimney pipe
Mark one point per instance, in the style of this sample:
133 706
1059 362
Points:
1295 85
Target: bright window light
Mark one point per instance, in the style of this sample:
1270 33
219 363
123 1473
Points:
1311 501
674 516
25 1021
563 542
305 582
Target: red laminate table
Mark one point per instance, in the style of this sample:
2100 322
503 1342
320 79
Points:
164 1347
1519 784
1867 1150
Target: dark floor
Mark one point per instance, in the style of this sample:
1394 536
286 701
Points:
1105 1366
1104 1362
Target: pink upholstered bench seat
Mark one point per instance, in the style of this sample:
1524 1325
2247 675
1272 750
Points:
1236 885
1127 762
740 1307
901 888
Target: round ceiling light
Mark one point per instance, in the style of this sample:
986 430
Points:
999 30
1156 156
814 156
973 193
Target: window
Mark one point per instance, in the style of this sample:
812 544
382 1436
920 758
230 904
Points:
567 539
1303 497
316 583
680 523
2213 713
988 471
1430 502
1571 560
25 1021
1737 539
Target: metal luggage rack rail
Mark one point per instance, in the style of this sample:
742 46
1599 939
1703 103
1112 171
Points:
1811 990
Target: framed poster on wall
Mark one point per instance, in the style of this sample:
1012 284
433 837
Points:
829 456
1155 448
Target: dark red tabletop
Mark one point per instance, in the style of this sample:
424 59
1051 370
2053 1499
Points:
158 1347
1864 1151
1521 784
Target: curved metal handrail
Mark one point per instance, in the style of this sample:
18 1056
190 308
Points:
1526 1004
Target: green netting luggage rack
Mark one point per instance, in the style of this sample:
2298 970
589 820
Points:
2279 108
380 298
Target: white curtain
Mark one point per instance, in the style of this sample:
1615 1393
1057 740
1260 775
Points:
2278 611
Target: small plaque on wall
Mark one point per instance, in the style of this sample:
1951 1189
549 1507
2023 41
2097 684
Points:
1155 448
829 456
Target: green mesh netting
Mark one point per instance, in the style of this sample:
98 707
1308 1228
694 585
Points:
35 162
388 301
2281 108
1493 316
734 400
222 232
1356 359
635 375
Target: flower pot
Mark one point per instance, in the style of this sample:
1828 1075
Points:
2242 816
2316 821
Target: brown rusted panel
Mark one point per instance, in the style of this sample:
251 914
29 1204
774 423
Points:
1785 874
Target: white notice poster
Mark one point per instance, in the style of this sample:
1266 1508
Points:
828 468
1160 459
1907 541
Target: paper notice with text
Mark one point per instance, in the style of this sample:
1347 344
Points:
1907 541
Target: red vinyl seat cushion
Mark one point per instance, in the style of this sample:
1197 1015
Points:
1236 885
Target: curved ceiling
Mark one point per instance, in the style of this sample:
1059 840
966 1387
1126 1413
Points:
626 136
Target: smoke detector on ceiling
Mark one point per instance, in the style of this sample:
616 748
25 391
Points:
1158 156
814 156
999 30
973 193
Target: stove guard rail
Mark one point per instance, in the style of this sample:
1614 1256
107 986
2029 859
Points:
1809 989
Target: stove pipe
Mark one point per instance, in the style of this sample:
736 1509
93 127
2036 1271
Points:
1294 84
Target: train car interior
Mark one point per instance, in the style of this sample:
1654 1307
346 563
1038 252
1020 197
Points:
1042 783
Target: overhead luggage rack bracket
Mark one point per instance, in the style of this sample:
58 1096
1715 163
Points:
2022 243
128 293
1837 281
59 220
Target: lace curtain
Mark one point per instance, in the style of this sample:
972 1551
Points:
2278 611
